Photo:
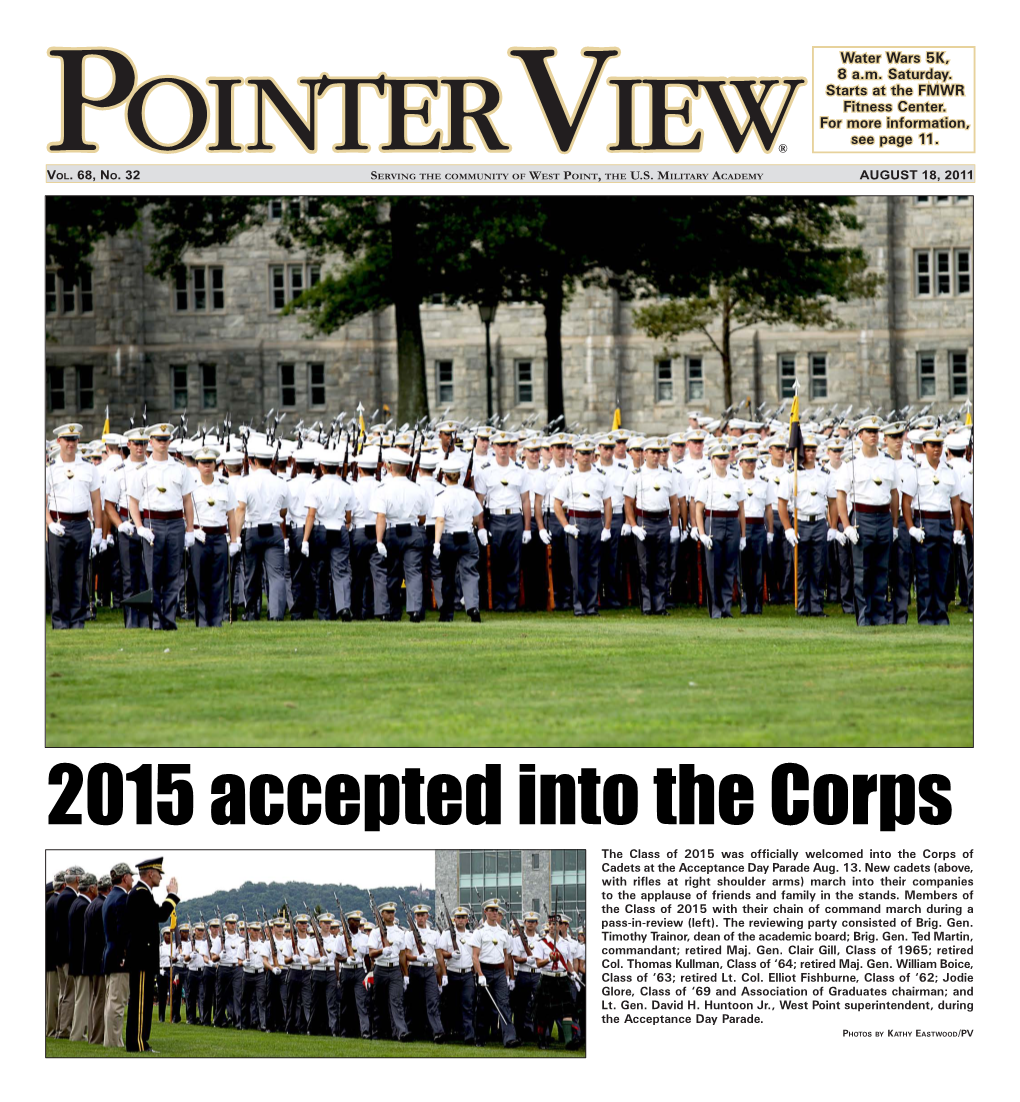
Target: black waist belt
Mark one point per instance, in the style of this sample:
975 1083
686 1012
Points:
935 516
721 513
220 530
173 514
859 508
69 516
585 514
754 520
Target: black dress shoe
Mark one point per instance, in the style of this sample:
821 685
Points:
416 617
446 619
727 616
476 616
439 1039
346 615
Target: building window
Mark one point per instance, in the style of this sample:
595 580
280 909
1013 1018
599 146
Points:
275 210
535 860
664 380
958 374
787 374
288 386
567 882
819 375
490 873
287 281
444 382
963 271
86 388
922 272
51 292
942 198
317 384
536 905
943 277
85 293
179 386
199 288
525 382
56 388
694 370
926 374
921 199
68 301
208 386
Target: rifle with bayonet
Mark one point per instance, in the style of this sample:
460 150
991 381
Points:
271 938
316 931
344 927
383 939
293 927
449 919
247 939
413 926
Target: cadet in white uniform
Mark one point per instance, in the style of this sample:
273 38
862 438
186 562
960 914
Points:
329 504
719 508
389 980
653 513
303 583
216 540
759 519
500 489
369 597
129 543
563 600
423 990
554 1001
583 504
493 965
866 489
813 534
455 948
458 515
529 955
261 513
255 962
934 488
610 569
72 500
399 506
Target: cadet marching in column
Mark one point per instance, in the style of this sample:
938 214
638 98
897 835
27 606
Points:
352 524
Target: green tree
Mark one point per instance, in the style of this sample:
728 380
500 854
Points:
733 263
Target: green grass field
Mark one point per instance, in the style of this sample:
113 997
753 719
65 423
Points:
196 1041
541 679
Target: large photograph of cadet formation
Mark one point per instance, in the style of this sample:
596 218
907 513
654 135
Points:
676 470
308 953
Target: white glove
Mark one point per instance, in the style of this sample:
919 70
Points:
606 535
147 534
233 549
674 534
381 550
706 542
56 528
639 533
435 550
683 534
511 984
696 535
895 533
625 530
482 981
570 530
97 537
189 540
958 537
530 962
526 537
851 534
831 535
544 536
407 980
917 534
743 542
306 548
791 537
444 981
104 543
841 538
127 528
577 982
199 535
483 537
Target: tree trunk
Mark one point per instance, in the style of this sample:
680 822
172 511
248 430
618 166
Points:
553 306
412 393
727 365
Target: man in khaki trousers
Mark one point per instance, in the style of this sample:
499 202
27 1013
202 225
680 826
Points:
52 975
65 1005
87 891
95 945
118 981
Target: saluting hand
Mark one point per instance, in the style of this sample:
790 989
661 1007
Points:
172 886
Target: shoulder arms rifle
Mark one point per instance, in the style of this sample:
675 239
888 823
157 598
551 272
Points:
344 927
247 940
293 927
223 932
316 932
518 931
271 939
380 925
379 461
469 482
449 919
413 476
347 452
413 927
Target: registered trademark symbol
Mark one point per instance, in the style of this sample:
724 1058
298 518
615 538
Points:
782 149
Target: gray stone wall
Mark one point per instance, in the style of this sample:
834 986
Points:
135 335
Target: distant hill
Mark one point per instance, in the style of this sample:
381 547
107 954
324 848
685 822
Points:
253 897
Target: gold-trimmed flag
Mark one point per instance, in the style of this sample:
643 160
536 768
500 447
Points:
616 419
106 423
796 444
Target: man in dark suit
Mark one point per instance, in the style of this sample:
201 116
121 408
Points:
115 955
53 891
95 946
143 918
62 950
76 954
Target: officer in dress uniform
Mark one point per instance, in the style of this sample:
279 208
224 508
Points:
143 916
760 501
326 542
500 489
807 492
719 513
261 513
934 488
163 516
493 968
388 973
399 506
529 955
866 491
458 515
652 504
610 574
456 950
583 504
72 500
423 986
303 584
216 539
